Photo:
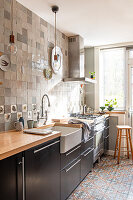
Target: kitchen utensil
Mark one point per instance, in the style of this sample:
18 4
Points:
35 124
30 123
21 119
4 63
47 73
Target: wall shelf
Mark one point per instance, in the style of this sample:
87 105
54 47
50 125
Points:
82 80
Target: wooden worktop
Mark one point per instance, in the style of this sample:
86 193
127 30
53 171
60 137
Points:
13 142
69 125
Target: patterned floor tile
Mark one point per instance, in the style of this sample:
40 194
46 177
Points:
107 181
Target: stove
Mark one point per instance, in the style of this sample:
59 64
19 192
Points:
96 118
97 128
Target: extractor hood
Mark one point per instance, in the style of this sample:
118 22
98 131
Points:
76 61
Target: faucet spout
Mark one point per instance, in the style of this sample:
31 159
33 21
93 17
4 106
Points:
45 95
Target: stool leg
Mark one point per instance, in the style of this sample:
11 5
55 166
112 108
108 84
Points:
116 143
127 143
129 133
119 147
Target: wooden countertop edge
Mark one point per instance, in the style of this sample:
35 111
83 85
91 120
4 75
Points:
28 146
31 144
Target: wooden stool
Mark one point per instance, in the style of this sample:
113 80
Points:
119 137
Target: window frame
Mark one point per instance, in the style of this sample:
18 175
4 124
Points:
126 78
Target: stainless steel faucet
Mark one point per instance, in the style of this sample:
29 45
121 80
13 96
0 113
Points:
84 109
46 113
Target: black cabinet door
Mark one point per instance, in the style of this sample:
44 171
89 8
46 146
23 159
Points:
86 162
70 178
70 156
42 171
106 141
9 178
88 144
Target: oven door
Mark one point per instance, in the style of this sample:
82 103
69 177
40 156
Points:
98 144
98 138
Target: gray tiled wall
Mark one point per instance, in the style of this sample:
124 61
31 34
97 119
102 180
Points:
34 38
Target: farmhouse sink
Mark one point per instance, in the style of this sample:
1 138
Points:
70 137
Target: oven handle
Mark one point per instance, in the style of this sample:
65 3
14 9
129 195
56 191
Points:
107 118
99 131
98 122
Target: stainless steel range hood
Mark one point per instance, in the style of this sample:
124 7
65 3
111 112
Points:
76 61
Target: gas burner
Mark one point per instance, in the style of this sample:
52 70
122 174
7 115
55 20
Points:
96 118
89 117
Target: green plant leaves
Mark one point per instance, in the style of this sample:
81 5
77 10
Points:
110 103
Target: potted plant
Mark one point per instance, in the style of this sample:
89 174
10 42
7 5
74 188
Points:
110 104
92 75
102 108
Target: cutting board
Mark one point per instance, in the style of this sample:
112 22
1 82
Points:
38 131
60 120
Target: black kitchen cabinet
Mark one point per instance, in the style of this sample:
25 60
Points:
42 171
106 135
11 178
70 178
87 157
70 156
86 162
106 140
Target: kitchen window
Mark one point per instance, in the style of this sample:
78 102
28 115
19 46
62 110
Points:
112 76
130 67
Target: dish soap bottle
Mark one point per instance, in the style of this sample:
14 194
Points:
21 119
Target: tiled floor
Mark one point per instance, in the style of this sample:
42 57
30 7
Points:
107 181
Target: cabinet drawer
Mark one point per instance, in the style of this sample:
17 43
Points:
68 157
70 178
88 144
107 122
45 146
106 144
86 162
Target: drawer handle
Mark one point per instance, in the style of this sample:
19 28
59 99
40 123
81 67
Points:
73 150
73 165
107 127
90 139
38 150
23 178
88 152
106 137
107 118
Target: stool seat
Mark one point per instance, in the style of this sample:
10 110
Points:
123 127
120 130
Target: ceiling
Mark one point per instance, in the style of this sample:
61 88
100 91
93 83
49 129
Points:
99 22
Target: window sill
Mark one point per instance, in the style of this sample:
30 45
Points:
116 112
